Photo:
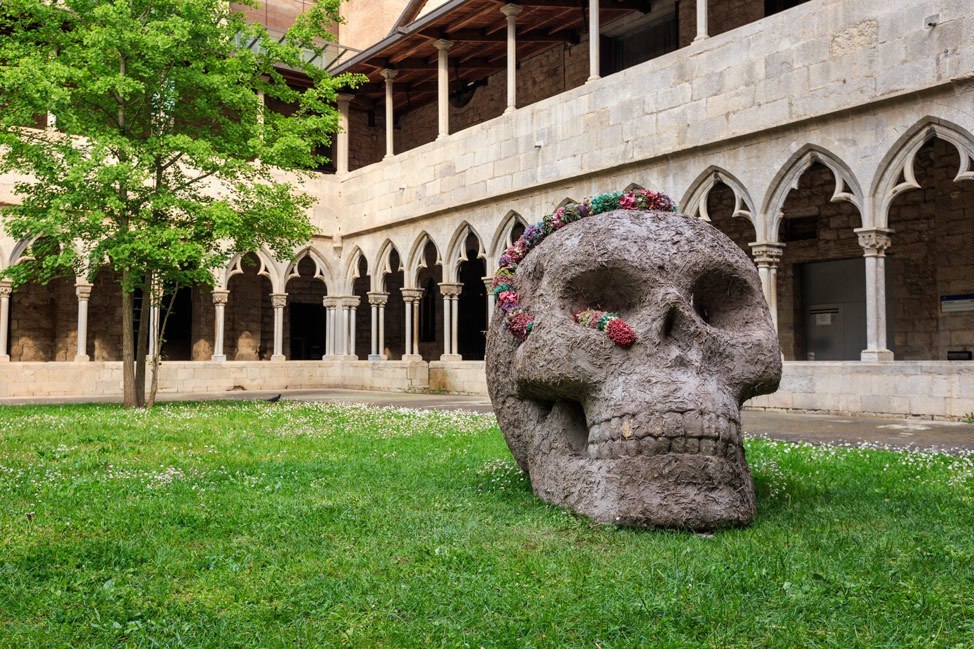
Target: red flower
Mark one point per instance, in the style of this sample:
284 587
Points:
620 333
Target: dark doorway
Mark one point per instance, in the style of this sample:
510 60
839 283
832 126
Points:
307 331
472 307
775 6
178 336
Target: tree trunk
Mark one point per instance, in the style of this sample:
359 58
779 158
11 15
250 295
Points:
145 314
128 347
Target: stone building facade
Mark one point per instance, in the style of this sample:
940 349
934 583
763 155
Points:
830 139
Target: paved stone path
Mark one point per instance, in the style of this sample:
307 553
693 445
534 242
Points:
815 428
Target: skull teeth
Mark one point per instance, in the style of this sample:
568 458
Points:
674 432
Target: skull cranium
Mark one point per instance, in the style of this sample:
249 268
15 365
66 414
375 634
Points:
650 434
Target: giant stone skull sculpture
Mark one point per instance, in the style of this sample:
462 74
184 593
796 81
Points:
647 435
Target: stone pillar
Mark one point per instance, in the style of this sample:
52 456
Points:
390 114
511 11
767 256
341 155
219 305
443 86
6 288
83 291
701 21
593 39
332 325
344 330
451 294
278 301
875 242
489 283
412 297
351 303
378 302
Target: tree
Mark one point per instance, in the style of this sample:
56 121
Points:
163 162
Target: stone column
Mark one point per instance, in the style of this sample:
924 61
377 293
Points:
701 21
6 288
344 328
390 114
378 302
443 86
875 242
593 39
767 256
351 303
219 305
511 11
451 294
341 155
412 296
278 301
489 283
332 337
83 291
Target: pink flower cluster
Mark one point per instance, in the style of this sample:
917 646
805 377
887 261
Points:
518 320
615 327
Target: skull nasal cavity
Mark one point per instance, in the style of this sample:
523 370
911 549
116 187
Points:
606 289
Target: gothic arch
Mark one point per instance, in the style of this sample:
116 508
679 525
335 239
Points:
456 254
235 267
896 173
417 260
502 238
20 250
847 188
350 272
694 202
383 265
322 269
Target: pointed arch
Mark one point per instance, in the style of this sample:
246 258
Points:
3 256
565 201
417 258
847 187
632 187
502 238
20 250
322 269
383 265
896 172
350 269
456 251
235 267
694 201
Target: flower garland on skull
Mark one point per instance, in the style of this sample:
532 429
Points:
504 287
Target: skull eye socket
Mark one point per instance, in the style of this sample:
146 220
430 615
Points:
606 289
723 300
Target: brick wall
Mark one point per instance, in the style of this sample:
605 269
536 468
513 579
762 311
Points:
43 322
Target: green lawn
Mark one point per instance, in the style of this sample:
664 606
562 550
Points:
280 525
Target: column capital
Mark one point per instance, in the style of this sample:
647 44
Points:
488 283
767 253
6 288
450 289
220 297
351 301
511 10
279 300
411 294
442 44
378 299
331 301
874 241
344 98
83 291
389 74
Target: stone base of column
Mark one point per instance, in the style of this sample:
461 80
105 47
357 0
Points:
509 109
592 78
876 355
4 359
349 357
451 358
332 357
82 359
412 358
219 358
278 358
376 357
701 37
